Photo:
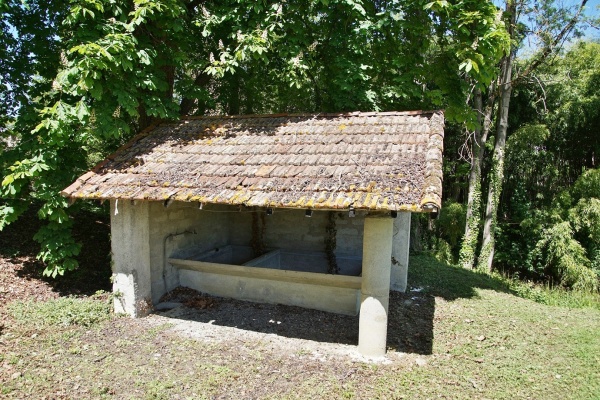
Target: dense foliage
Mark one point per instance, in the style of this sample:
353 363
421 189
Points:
548 214
101 71
80 77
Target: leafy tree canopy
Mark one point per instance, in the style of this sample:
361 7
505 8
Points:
80 77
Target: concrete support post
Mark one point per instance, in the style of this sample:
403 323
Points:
130 234
400 249
377 253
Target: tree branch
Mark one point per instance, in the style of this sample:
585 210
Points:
550 47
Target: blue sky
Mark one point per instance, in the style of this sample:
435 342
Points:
592 11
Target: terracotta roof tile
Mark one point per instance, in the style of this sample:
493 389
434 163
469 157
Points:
376 161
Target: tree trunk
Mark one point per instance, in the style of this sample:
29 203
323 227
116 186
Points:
486 255
473 218
188 104
506 83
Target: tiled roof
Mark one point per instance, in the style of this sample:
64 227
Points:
375 161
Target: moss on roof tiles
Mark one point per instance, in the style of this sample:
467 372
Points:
376 161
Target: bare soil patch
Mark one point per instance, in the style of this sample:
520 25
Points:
21 273
411 314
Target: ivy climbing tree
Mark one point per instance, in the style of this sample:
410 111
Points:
550 25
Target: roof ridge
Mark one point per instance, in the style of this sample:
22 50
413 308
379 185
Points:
314 115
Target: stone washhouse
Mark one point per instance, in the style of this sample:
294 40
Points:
304 210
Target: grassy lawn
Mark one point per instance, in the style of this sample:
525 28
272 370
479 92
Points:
487 342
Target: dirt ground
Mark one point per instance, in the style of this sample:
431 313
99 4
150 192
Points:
470 341
197 315
21 273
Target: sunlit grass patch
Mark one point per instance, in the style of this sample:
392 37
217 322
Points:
452 282
64 311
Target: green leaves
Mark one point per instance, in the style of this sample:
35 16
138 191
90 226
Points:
20 173
559 250
10 212
438 6
58 248
116 66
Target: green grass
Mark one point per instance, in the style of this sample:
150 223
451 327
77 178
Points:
63 311
490 341
452 282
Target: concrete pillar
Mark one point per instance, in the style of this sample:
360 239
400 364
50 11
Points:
400 249
375 290
130 243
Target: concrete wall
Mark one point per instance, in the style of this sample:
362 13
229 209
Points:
130 245
291 230
145 234
375 286
179 230
400 251
332 293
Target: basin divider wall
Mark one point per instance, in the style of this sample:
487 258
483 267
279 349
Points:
311 278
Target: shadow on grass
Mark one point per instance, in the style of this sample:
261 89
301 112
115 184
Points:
411 314
410 317
450 282
281 320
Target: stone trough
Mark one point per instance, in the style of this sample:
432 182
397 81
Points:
278 276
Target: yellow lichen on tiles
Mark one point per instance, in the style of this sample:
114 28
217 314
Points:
300 202
342 127
322 197
244 197
347 202
236 195
166 184
373 203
